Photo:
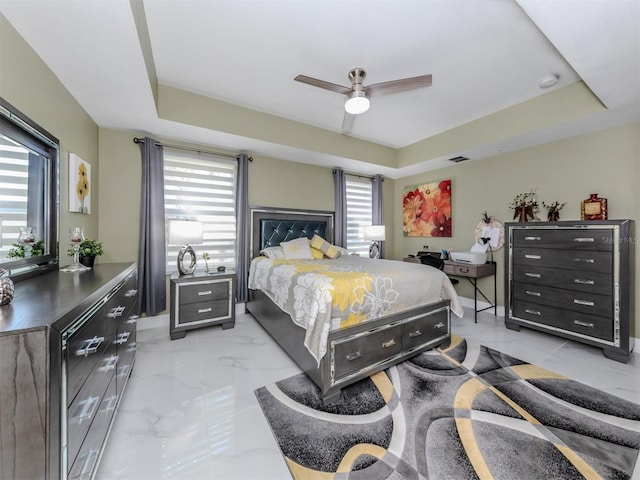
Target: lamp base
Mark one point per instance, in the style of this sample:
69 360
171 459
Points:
182 269
374 250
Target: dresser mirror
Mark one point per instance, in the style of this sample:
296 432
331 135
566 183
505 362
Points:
29 159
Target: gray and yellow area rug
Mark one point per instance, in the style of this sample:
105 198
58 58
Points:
467 412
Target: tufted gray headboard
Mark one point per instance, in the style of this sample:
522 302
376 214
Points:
271 226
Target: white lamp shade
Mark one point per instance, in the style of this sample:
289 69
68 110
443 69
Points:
374 233
356 104
185 232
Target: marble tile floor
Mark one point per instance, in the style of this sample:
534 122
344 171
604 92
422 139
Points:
189 411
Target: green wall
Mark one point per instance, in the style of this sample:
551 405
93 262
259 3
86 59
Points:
28 84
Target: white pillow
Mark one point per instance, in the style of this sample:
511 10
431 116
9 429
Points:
275 253
297 249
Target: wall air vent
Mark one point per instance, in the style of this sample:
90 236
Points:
458 159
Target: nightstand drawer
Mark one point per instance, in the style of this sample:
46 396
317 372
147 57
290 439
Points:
194 312
204 291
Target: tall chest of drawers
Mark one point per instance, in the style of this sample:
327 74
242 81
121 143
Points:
573 279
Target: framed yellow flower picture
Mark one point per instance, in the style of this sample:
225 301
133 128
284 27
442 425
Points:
426 210
79 185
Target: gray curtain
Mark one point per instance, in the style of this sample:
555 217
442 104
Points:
152 290
242 217
377 207
340 204
35 197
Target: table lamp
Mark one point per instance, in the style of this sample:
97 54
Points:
374 233
185 232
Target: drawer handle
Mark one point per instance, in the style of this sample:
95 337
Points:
533 275
584 260
389 343
415 334
532 312
131 293
584 324
132 347
89 462
207 292
353 356
89 346
123 371
533 257
532 239
86 409
587 303
109 364
583 282
122 338
439 325
116 312
533 294
584 239
204 310
110 403
133 319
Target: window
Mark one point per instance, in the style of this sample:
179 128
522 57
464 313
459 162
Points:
359 212
202 187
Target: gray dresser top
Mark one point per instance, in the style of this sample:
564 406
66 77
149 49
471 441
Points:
56 298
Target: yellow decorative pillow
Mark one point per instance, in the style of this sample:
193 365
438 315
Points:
317 254
329 250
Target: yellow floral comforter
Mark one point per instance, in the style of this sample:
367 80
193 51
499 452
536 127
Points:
325 295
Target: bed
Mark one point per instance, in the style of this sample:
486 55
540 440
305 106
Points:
337 341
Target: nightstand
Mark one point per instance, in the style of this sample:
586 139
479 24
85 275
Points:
200 300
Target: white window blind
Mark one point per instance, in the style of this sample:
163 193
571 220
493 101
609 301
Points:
14 174
202 187
359 212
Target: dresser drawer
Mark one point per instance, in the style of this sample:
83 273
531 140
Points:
85 347
354 353
86 461
591 325
582 281
565 238
197 292
566 299
586 261
424 329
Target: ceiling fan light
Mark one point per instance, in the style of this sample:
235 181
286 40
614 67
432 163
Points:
357 103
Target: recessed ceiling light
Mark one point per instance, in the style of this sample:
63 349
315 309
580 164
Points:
548 81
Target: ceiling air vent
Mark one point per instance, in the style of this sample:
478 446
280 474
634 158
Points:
458 159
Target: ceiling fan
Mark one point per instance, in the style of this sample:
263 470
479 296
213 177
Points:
359 95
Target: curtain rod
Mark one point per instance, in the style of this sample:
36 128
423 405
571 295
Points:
359 175
198 150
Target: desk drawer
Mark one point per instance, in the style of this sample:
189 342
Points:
566 299
197 292
354 353
566 238
586 261
424 329
591 325
468 270
590 282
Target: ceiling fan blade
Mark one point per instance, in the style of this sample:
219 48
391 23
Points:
322 84
396 86
347 122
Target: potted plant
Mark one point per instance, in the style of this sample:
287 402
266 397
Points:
89 250
17 250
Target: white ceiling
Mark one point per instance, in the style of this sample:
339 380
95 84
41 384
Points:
484 55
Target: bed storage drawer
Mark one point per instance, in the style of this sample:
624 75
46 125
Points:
425 328
356 352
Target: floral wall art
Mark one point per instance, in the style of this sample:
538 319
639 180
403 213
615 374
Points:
79 185
426 210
